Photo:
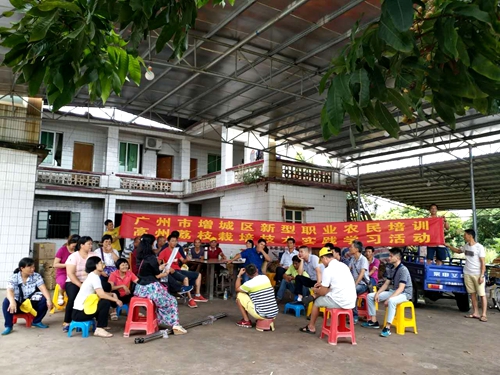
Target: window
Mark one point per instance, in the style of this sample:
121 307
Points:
214 163
57 224
53 143
129 157
293 216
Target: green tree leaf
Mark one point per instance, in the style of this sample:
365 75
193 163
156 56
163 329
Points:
41 26
166 34
36 81
485 67
123 66
50 5
334 109
386 120
105 89
400 12
134 69
472 10
58 81
396 98
444 111
326 127
361 77
400 41
447 36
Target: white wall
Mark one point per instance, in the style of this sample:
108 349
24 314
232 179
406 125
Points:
201 152
211 207
146 207
17 190
81 133
91 215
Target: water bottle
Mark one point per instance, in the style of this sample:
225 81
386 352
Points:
205 255
225 294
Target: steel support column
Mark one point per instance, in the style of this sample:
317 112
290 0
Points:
472 190
359 196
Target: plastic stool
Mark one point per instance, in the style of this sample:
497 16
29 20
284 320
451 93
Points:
338 326
297 308
310 309
27 317
149 323
82 326
119 310
55 306
264 325
401 322
362 303
271 276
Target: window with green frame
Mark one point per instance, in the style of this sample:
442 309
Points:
214 163
57 224
53 144
129 157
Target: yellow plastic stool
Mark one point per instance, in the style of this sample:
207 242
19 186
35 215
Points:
55 306
271 278
401 322
310 308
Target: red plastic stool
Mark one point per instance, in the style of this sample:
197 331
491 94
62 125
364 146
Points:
148 323
362 310
338 326
27 317
264 325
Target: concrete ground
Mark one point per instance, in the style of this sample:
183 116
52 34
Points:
446 344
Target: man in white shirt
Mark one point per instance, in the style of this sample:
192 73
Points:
286 259
336 289
474 270
359 266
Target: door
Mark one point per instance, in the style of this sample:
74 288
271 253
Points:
193 168
164 166
83 156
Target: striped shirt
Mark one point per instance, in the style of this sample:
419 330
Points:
262 295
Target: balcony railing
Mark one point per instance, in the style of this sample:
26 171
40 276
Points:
240 170
204 183
68 178
130 183
303 172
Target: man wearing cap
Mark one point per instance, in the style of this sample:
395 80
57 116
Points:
336 290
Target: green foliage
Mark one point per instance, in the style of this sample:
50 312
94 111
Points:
70 44
252 175
488 227
442 53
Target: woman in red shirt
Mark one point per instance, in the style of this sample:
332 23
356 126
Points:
123 280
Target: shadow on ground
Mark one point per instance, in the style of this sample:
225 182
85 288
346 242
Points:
446 344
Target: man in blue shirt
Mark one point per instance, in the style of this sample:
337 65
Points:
255 256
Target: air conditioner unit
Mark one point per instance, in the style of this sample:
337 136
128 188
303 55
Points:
153 143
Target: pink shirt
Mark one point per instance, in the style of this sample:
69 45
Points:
76 260
117 280
374 263
63 254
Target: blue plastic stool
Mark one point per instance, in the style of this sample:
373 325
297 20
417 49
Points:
84 327
298 308
119 310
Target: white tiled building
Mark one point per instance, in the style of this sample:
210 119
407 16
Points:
96 170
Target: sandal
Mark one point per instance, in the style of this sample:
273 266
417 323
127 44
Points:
483 319
113 315
179 330
471 316
307 330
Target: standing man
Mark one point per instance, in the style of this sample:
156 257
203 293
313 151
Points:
474 271
131 248
401 291
308 263
374 264
114 233
439 251
358 265
335 291
255 297
286 259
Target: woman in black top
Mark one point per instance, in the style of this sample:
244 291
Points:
149 286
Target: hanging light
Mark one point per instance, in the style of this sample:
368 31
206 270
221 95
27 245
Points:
428 183
149 74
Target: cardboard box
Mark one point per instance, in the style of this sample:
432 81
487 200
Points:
44 251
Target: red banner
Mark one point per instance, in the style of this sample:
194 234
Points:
425 231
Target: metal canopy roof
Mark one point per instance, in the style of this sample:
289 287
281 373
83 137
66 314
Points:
446 184
256 67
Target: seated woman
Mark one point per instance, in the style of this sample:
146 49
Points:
62 256
75 268
109 256
149 285
123 281
25 284
92 285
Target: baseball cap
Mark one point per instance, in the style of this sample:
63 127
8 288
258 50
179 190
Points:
324 251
